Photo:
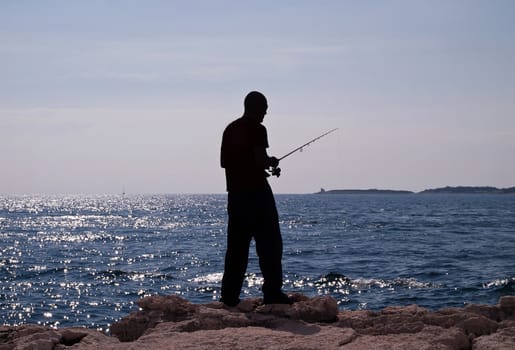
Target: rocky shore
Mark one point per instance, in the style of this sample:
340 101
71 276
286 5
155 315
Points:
170 322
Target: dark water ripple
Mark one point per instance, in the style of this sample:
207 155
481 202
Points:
85 260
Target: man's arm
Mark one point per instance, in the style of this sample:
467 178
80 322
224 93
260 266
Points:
263 161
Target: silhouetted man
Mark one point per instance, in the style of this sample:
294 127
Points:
251 205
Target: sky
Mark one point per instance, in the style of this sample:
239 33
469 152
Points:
109 96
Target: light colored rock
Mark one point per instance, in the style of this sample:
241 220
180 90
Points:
404 310
478 326
507 302
247 338
504 339
171 322
32 337
393 320
247 305
39 341
190 317
132 327
430 338
317 309
491 312
94 340
171 305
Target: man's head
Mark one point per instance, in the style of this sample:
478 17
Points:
255 106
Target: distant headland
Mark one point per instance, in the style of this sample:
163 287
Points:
441 190
369 191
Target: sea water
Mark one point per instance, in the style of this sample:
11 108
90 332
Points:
85 260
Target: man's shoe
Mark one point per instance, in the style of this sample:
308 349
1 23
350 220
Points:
230 302
277 299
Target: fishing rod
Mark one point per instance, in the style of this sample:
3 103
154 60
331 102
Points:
307 144
277 171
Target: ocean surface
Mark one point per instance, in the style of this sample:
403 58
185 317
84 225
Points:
85 260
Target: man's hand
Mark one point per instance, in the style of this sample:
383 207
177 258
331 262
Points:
273 162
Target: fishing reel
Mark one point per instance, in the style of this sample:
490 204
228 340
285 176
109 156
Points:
276 171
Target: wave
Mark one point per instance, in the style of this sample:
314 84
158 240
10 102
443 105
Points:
44 270
113 275
336 281
110 275
214 278
502 284
34 272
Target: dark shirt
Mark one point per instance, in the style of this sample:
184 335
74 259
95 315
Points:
242 172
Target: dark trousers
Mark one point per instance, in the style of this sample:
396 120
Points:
252 215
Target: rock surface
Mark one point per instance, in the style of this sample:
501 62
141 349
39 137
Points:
170 322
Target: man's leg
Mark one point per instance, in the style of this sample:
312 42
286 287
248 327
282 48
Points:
269 247
269 250
236 256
